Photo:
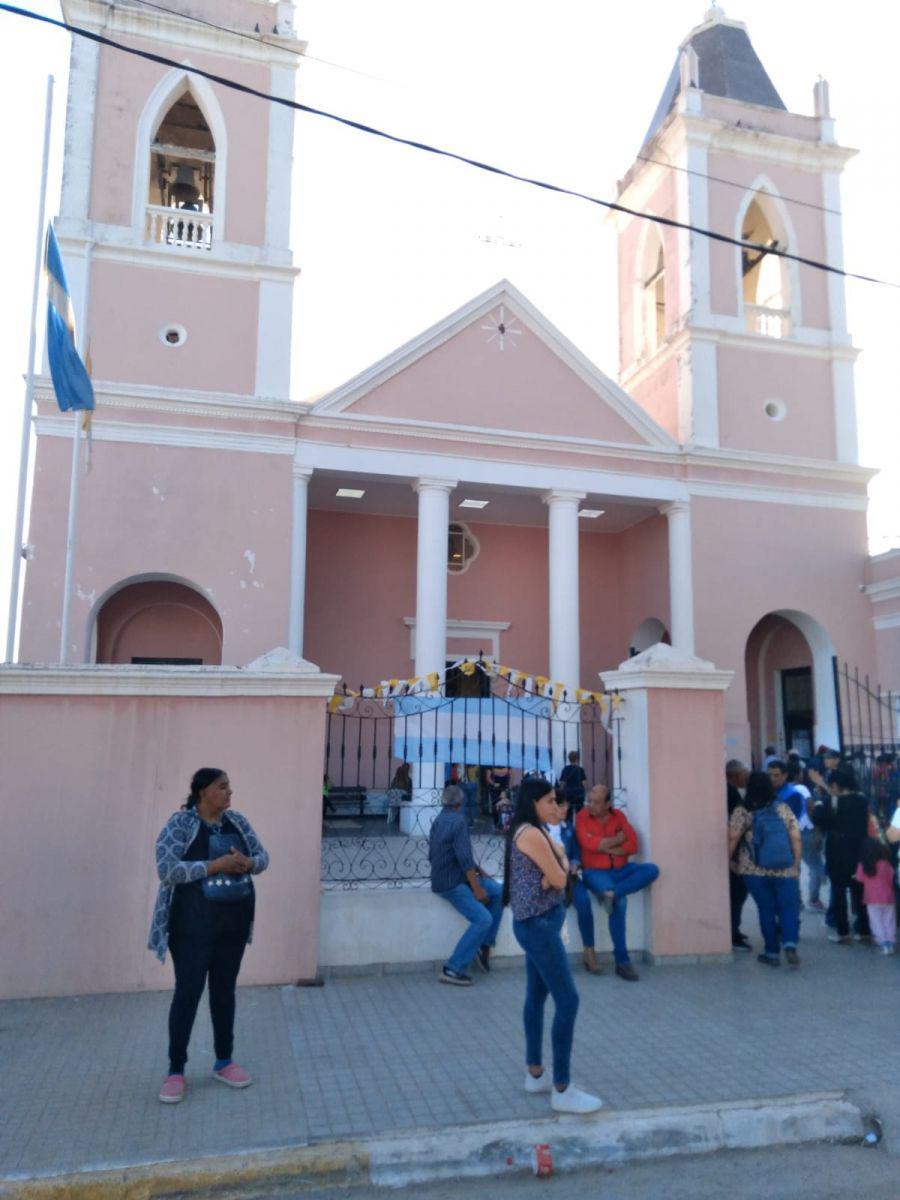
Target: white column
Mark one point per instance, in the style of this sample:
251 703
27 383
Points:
681 575
299 507
565 647
431 635
431 573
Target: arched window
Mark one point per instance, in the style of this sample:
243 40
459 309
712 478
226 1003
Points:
765 282
652 297
462 548
182 177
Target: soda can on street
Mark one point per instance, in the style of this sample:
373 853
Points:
542 1160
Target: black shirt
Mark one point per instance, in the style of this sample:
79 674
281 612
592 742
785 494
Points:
192 913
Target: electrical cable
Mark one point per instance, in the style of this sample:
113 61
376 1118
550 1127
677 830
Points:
425 147
728 182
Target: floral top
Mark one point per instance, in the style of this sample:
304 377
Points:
742 822
526 896
171 846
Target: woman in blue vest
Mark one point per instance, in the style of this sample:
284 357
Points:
205 857
766 836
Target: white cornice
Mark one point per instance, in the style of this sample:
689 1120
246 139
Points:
119 244
663 666
182 401
770 495
741 137
886 589
170 435
118 20
780 464
890 621
501 293
25 679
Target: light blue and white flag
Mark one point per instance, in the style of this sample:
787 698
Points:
496 732
71 382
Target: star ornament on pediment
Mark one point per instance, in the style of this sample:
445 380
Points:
502 329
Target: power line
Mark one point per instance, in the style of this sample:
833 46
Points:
729 182
426 148
303 54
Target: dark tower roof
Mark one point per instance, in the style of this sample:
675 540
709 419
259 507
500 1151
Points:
728 66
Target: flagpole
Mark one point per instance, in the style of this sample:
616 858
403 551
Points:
29 389
71 533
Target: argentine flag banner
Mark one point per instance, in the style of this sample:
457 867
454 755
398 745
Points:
71 382
497 732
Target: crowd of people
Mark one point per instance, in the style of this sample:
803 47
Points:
813 813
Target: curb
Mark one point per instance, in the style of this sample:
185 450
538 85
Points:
422 1156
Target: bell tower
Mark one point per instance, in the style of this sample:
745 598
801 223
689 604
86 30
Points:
730 347
175 212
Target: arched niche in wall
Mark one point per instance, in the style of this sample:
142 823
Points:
790 684
647 634
157 621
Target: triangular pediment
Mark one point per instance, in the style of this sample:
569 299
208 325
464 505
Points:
498 364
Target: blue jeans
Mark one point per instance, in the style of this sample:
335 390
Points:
484 920
811 841
547 972
581 902
778 900
633 877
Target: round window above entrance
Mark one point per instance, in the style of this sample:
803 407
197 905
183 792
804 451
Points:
462 548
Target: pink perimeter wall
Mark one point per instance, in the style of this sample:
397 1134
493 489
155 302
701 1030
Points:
218 521
109 772
688 838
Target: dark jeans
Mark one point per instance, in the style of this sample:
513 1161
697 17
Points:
633 877
840 882
778 900
737 894
196 957
547 972
581 902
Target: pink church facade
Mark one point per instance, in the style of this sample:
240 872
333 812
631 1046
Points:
729 436
505 496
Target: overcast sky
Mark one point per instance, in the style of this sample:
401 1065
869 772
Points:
390 240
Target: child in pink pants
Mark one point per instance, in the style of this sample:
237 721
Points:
876 874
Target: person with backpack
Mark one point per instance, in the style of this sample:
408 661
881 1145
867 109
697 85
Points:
764 835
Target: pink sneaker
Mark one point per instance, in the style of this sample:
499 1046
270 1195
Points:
234 1076
172 1090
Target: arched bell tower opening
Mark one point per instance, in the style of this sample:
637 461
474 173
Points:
182 177
766 289
651 315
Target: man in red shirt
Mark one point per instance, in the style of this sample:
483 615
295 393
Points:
607 841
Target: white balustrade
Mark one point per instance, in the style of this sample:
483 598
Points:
770 322
179 227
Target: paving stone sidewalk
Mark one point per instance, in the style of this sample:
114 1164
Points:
373 1054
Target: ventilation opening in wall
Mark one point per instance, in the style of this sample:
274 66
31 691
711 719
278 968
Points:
775 410
173 335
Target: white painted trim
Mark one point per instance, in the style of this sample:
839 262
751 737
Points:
891 621
780 739
484 632
681 575
822 649
501 293
115 680
274 333
698 278
158 103
280 162
761 681
846 438
170 435
143 398
226 260
702 680
170 29
702 379
885 589
763 145
767 495
75 199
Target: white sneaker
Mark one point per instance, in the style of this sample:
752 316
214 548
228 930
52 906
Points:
574 1100
887 948
538 1083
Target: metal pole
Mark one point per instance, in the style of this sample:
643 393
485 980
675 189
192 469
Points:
29 388
71 537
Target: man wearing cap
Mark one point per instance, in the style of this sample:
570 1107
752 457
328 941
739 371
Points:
456 878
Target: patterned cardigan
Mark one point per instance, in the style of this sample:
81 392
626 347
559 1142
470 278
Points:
171 846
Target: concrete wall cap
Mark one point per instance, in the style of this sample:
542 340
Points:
663 666
275 679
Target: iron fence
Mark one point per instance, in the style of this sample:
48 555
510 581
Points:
869 733
387 761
